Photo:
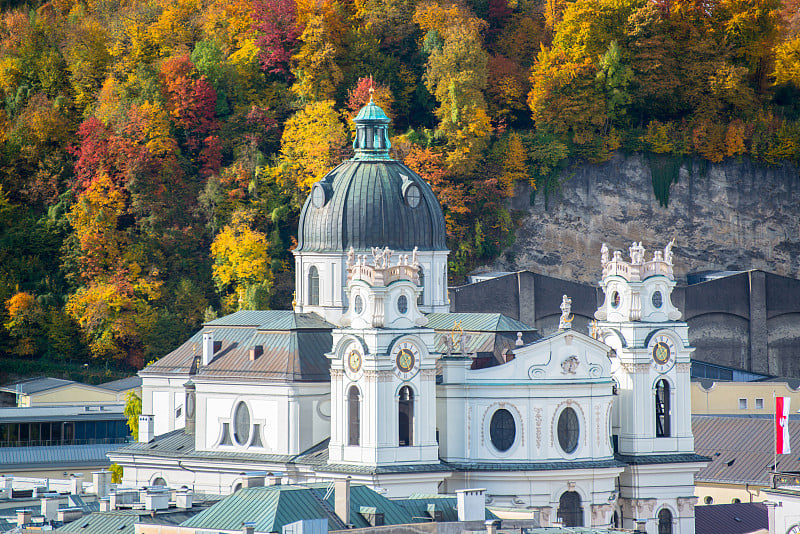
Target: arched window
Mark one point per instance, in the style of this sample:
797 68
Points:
662 409
570 512
313 286
664 521
354 416
159 482
406 417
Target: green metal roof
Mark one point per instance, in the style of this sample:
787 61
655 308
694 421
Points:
372 112
272 320
366 208
269 507
477 322
122 521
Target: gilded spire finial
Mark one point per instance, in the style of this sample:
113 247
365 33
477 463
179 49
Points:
371 88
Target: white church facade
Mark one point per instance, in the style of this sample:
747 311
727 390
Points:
370 377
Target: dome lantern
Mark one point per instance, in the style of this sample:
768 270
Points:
372 133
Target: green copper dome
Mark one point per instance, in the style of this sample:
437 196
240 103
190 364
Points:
371 200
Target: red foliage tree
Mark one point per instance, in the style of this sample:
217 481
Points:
276 22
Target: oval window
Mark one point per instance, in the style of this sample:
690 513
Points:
502 430
615 299
358 305
657 299
241 424
402 304
413 196
568 430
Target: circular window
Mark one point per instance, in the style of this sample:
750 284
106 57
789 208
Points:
615 299
358 305
568 430
241 424
502 430
657 299
402 304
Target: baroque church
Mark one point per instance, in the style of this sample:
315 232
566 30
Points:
371 377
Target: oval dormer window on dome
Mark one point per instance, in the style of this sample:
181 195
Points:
358 305
319 195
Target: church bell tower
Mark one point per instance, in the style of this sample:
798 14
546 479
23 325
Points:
383 367
651 365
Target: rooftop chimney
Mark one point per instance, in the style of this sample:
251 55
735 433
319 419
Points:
254 479
156 498
274 479
492 526
208 347
341 494
50 506
24 517
183 499
76 484
102 480
147 425
105 504
471 504
248 527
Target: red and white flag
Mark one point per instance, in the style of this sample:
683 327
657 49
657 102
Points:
782 425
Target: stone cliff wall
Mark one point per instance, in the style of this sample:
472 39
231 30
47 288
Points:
735 215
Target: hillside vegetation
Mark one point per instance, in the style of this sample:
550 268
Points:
156 153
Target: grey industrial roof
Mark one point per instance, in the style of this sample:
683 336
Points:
293 348
36 385
741 449
105 412
366 208
422 505
178 444
739 518
477 322
12 458
123 383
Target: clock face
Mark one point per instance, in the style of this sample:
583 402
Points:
795 529
406 359
663 352
354 360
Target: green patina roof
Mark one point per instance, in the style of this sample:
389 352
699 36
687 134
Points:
366 208
477 322
372 112
269 507
272 507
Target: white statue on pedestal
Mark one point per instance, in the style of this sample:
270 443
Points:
566 307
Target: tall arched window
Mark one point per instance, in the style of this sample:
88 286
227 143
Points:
664 521
662 409
313 286
354 416
570 512
406 417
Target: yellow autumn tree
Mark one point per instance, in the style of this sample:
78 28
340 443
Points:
242 266
515 167
313 142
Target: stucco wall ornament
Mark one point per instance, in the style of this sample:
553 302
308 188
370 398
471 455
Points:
570 365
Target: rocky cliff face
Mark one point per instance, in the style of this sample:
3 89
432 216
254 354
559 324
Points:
735 215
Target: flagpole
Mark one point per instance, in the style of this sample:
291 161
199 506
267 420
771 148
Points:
775 439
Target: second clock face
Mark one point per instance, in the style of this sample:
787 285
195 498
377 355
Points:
406 360
663 352
354 360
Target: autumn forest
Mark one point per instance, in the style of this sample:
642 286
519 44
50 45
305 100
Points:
156 153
